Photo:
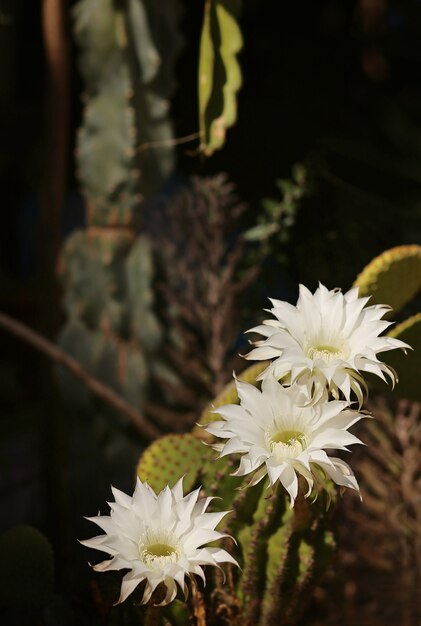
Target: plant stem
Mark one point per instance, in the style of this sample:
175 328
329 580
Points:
37 341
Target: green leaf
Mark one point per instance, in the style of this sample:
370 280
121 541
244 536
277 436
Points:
261 231
219 72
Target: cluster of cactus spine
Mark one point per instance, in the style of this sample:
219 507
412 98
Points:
170 457
127 51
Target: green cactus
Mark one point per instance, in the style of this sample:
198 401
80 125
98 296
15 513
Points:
127 52
393 278
27 572
253 540
217 479
92 268
111 327
409 365
169 458
298 554
127 68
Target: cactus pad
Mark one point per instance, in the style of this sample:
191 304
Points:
139 276
392 278
27 572
408 366
169 458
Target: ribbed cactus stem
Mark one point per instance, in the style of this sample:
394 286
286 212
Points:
273 603
298 554
254 541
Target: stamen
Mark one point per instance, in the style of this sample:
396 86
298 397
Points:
159 547
285 443
327 352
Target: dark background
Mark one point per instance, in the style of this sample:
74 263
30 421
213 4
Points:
335 84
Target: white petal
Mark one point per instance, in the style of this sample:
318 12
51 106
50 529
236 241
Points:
116 563
341 473
262 353
144 499
128 585
121 498
331 318
151 585
171 591
177 490
264 329
289 480
333 438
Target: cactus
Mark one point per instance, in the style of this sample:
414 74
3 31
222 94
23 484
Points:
393 278
27 573
170 457
127 69
127 52
111 326
283 550
408 365
299 552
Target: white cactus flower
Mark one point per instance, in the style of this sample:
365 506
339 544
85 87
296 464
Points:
326 342
159 538
280 433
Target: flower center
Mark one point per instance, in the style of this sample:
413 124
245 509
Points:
159 547
286 444
327 352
